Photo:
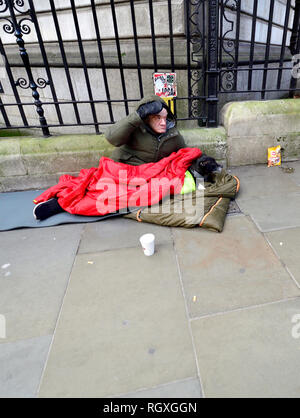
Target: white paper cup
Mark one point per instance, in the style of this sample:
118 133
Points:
147 242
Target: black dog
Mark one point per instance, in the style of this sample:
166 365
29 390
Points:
204 167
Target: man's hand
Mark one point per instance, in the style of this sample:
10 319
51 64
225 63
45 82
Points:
151 108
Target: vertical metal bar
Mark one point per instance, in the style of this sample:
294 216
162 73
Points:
41 44
171 45
295 42
4 114
212 72
137 54
100 50
188 51
25 58
267 53
204 62
283 44
237 43
65 62
171 35
86 75
153 35
196 38
113 11
221 44
12 84
295 29
252 45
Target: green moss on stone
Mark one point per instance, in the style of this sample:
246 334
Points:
9 146
264 107
65 143
7 133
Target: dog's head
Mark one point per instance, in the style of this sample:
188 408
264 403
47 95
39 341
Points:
205 166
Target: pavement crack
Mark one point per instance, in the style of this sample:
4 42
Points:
187 313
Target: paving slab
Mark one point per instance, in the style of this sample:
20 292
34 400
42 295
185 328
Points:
251 352
189 388
119 233
294 169
261 180
22 363
270 194
123 326
35 265
227 271
286 244
271 213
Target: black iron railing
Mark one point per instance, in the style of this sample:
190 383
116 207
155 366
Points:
214 55
230 62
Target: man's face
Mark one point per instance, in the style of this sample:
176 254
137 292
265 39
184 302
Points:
158 123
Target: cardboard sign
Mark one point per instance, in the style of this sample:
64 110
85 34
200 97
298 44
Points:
165 84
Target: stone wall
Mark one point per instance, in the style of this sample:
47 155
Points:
252 127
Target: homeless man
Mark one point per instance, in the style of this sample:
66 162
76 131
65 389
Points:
147 135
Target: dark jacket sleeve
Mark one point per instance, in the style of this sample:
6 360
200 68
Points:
181 141
119 133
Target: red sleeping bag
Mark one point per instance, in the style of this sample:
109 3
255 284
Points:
114 186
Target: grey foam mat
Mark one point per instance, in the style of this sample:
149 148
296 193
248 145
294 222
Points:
16 212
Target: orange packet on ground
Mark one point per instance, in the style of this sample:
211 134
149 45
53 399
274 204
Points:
274 156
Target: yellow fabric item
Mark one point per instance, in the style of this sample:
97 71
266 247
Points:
189 185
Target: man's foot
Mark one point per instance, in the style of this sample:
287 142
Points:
46 209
